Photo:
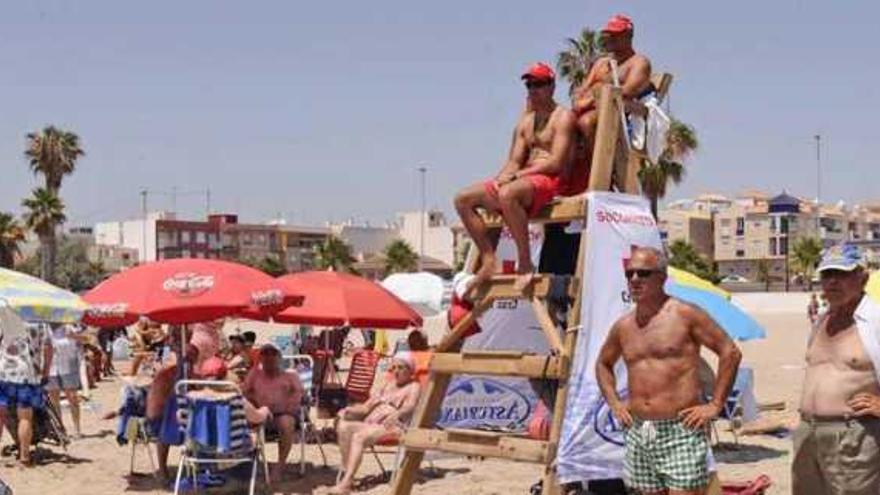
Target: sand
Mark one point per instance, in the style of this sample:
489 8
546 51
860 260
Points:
96 465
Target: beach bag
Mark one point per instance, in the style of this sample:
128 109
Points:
331 398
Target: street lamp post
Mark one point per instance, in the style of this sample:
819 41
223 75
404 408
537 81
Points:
422 220
818 138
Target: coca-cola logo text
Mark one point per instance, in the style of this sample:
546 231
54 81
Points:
188 284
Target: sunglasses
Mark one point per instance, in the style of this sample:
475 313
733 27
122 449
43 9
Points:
642 273
532 84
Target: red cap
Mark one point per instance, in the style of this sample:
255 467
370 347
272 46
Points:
540 71
618 24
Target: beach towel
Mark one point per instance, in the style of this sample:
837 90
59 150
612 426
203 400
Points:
649 132
867 318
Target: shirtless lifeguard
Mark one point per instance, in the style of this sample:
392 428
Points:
666 443
529 179
837 445
633 72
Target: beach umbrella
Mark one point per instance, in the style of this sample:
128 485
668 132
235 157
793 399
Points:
37 300
11 324
339 299
182 291
423 291
688 279
734 321
873 288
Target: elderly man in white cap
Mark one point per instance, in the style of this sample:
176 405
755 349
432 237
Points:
837 445
382 416
268 385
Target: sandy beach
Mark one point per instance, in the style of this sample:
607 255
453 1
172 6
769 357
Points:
96 465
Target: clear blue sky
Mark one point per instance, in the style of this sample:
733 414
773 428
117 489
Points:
323 110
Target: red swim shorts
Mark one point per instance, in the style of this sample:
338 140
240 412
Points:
544 189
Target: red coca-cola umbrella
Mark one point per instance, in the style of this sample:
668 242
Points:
336 299
184 291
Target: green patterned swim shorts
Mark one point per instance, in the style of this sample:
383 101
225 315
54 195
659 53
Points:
665 454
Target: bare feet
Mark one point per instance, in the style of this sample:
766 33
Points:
340 489
525 276
483 275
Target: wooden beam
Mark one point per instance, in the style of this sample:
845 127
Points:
605 142
513 364
569 344
477 443
561 210
630 181
548 326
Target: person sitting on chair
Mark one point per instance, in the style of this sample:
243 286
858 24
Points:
270 386
382 416
532 175
634 77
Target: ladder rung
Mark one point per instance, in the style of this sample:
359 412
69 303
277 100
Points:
561 211
530 366
477 443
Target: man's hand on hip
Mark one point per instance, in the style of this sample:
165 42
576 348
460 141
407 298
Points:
865 404
621 413
696 417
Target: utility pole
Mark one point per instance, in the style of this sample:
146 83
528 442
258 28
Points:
818 138
144 225
207 202
423 217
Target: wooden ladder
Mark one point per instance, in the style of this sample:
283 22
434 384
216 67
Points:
448 360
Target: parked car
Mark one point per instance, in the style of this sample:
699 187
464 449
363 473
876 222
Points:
734 279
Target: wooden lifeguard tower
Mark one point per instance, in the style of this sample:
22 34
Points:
611 159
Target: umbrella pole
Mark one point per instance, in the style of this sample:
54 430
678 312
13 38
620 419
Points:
183 351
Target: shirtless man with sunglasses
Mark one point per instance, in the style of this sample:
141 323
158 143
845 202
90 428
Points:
531 177
664 417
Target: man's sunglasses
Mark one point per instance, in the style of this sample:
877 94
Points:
532 84
639 273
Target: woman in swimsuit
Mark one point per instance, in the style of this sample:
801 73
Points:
383 416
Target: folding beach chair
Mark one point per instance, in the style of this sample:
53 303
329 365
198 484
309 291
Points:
216 431
303 365
361 375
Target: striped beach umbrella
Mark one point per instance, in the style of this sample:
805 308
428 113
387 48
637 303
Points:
37 300
688 279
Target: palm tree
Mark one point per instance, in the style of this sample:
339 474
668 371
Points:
762 270
334 254
805 255
45 213
269 264
53 152
581 53
11 235
400 257
681 142
684 256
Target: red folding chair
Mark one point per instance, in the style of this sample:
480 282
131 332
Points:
361 375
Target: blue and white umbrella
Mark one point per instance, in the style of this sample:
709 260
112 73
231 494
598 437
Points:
738 325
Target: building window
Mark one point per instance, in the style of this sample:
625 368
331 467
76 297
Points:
773 247
783 225
740 253
725 222
184 237
783 246
200 237
772 224
184 253
740 226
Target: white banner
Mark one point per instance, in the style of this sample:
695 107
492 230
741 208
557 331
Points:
591 446
478 401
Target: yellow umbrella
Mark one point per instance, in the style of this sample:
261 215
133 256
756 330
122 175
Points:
688 279
37 300
873 288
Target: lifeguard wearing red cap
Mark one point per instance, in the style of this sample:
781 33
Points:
539 71
618 24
